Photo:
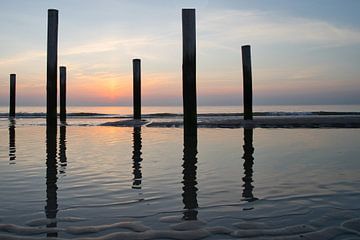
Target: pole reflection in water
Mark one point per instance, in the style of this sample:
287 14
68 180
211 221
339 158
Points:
51 207
248 165
137 158
62 150
12 148
189 178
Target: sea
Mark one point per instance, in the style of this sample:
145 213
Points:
127 110
86 181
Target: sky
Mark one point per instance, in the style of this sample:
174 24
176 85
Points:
303 52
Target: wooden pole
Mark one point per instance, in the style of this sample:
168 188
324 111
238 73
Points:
247 82
51 118
12 95
52 49
62 94
137 88
189 72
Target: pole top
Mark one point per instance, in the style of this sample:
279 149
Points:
62 67
136 60
188 12
53 10
245 46
12 74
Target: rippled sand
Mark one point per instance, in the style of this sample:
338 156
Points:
103 182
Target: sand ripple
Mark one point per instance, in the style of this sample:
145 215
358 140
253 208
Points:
186 230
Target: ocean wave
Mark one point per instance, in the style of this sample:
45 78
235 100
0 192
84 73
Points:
176 115
222 121
43 115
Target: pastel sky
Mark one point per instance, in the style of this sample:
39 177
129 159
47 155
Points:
303 52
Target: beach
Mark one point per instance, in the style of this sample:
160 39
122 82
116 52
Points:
268 180
181 120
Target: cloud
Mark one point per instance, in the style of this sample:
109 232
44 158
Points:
144 47
139 45
224 26
100 67
22 57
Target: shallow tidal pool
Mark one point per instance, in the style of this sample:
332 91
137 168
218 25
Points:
92 182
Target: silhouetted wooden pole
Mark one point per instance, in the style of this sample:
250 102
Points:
52 49
247 82
12 95
62 93
137 88
189 71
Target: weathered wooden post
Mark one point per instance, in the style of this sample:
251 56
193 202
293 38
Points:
52 49
51 120
137 88
247 82
62 94
190 114
189 72
12 95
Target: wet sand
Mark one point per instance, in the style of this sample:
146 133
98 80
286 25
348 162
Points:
338 121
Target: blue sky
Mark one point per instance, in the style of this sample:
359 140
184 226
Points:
303 52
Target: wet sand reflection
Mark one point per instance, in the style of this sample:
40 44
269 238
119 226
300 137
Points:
51 207
62 150
137 144
248 166
12 147
189 178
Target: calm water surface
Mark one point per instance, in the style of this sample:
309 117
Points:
145 183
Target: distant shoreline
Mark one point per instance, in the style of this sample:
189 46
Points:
175 115
319 119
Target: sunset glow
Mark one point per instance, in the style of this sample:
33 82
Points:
295 53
